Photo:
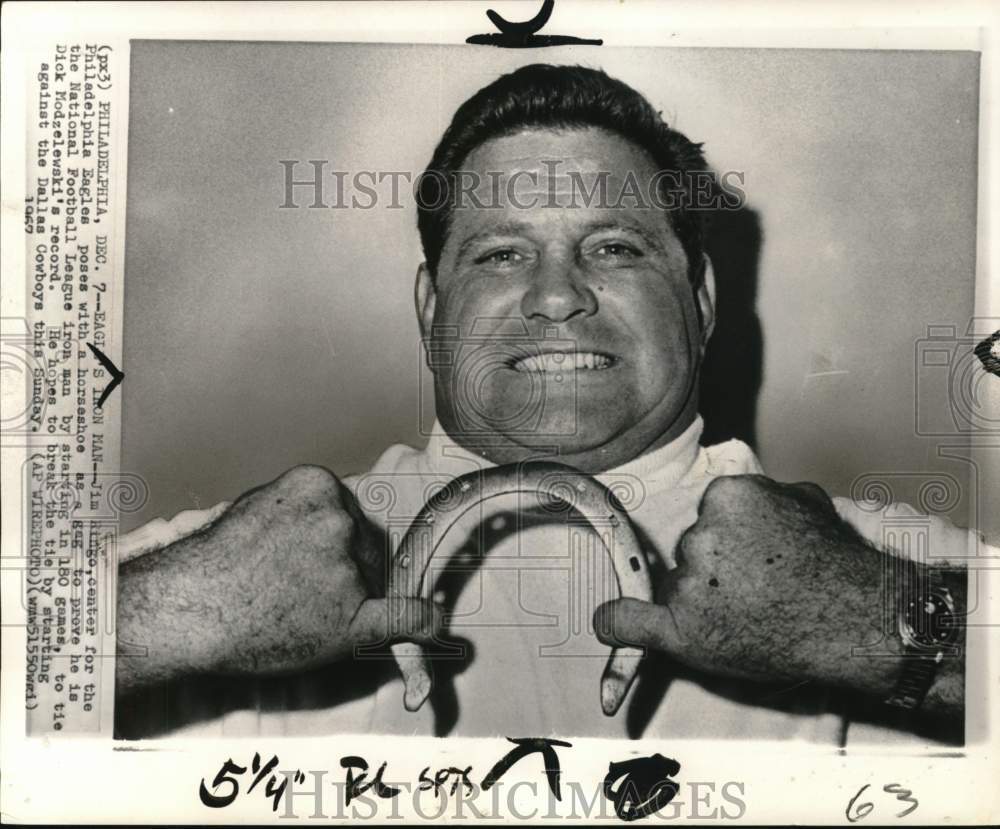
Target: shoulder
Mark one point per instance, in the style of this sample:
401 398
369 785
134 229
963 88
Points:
397 484
733 457
902 530
398 459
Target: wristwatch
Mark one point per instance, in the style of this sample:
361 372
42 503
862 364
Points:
928 627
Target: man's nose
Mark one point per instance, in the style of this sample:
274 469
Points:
558 293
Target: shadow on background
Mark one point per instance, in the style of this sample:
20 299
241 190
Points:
732 371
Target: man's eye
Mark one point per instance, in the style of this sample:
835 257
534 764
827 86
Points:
617 250
501 258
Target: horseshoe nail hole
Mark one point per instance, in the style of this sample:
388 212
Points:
770 561
713 582
635 564
498 523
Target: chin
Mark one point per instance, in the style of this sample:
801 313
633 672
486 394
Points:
568 437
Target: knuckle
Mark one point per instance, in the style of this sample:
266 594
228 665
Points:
315 501
333 522
311 484
696 541
724 488
814 491
730 490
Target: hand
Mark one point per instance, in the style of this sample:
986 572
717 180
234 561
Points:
290 577
771 584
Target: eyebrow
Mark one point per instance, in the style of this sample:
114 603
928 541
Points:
641 232
502 229
516 228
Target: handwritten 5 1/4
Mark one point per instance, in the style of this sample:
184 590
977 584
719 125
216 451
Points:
856 811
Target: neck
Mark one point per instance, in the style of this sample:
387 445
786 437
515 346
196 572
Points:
620 450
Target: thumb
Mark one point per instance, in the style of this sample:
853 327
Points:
382 621
630 622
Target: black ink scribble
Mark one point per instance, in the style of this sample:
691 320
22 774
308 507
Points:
643 785
524 34
356 785
988 352
524 747
526 27
116 375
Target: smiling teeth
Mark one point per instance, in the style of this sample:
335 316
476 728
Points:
558 361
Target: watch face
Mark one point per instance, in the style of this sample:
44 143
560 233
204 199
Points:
930 620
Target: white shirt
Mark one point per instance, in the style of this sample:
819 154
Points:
526 608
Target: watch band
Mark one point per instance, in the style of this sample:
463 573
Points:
915 681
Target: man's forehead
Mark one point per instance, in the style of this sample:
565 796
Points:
582 173
555 154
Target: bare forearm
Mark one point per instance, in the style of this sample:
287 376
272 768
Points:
168 617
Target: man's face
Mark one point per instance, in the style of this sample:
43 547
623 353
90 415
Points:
572 326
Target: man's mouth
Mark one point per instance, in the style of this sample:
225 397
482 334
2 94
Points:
553 362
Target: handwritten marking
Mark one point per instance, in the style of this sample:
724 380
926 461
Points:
523 34
117 375
854 814
904 795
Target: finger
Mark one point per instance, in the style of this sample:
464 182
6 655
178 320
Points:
382 621
696 545
369 550
815 492
618 676
723 492
416 671
633 623
415 622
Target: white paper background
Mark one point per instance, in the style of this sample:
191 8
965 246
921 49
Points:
88 780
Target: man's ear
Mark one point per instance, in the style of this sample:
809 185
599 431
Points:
705 297
425 297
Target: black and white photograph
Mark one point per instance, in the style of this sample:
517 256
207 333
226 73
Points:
583 278
538 390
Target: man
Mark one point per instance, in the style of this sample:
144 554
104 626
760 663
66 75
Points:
567 327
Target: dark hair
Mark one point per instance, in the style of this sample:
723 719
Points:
557 97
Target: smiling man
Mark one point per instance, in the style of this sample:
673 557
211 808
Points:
565 315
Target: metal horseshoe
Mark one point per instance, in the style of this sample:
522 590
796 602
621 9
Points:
562 483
